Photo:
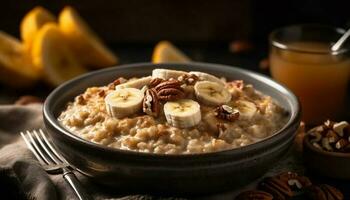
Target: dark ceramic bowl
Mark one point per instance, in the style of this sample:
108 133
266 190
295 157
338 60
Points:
330 164
175 174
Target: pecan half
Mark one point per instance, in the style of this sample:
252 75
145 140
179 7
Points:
170 90
294 180
324 192
150 103
285 185
277 187
155 81
254 195
227 113
188 79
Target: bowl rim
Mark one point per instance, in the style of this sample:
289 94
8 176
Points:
321 151
294 117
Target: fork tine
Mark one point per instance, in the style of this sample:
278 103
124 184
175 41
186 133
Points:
48 152
53 149
31 148
37 148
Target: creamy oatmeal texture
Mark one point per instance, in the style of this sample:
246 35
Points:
173 112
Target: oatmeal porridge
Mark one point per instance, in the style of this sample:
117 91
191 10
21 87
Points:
173 112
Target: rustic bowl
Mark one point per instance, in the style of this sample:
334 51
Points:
330 164
170 174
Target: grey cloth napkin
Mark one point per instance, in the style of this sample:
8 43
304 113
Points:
21 176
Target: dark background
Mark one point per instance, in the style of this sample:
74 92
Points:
185 21
203 29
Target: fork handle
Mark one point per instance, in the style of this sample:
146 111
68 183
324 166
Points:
75 184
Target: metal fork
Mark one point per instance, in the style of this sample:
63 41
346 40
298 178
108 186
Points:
52 161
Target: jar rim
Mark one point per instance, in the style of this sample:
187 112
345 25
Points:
283 46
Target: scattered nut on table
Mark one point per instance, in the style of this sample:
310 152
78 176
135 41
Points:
324 192
25 100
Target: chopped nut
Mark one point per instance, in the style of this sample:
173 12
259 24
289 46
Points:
102 93
227 113
326 145
315 136
341 144
315 144
339 127
116 82
188 79
328 125
332 136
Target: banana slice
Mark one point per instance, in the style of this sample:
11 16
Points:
32 22
16 67
183 113
124 102
211 93
167 73
137 83
86 44
207 77
51 53
246 109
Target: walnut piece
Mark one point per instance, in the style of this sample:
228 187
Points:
227 113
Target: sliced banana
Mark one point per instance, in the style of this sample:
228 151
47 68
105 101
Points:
167 73
51 54
32 22
137 83
207 77
124 102
16 67
211 93
88 47
183 113
246 109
